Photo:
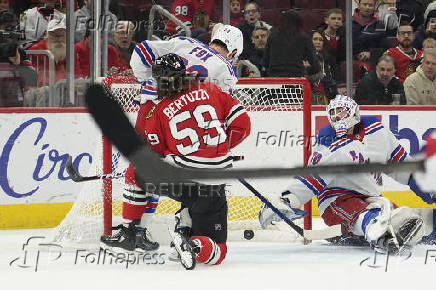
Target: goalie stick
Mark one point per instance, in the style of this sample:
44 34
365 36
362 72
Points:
321 234
148 165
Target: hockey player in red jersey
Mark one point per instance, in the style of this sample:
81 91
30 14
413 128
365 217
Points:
193 125
354 200
211 63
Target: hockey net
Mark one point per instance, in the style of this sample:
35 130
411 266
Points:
99 204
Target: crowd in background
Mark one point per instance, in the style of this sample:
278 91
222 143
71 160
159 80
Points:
394 46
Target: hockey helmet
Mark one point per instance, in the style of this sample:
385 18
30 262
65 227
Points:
169 65
232 37
169 71
343 113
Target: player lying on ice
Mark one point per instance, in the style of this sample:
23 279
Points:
191 125
354 200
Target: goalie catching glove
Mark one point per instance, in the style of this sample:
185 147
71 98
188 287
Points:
287 204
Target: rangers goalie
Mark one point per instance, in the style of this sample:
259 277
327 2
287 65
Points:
354 200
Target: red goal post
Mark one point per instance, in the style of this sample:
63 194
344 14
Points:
271 94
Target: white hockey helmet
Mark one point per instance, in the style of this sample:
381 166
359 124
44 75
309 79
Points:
347 117
232 37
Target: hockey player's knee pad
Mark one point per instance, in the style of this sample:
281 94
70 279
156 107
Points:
210 253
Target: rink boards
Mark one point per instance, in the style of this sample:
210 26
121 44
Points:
35 190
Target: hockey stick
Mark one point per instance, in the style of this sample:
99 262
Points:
76 177
322 234
149 166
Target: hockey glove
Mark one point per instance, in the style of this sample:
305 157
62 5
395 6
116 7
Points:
268 217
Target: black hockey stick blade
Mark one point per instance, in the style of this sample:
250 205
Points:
76 177
72 172
150 168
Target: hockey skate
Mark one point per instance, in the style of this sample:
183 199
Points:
128 239
121 241
186 249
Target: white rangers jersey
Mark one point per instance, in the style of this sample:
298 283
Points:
198 58
373 143
34 23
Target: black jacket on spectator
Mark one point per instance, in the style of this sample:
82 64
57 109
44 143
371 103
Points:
247 31
411 10
368 37
370 91
284 56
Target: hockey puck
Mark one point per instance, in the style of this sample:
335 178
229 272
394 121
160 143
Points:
248 234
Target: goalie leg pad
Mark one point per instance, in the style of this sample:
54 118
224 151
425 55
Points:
210 252
407 225
344 210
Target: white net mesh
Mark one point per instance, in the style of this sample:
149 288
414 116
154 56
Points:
84 223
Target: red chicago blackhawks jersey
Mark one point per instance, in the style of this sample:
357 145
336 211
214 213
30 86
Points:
405 64
196 129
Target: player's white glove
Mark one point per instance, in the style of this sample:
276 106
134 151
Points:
287 204
424 183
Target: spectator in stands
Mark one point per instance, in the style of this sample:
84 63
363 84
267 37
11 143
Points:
55 42
123 39
427 30
287 48
115 61
236 16
4 5
406 57
335 33
11 85
259 38
184 10
379 86
428 43
8 20
368 31
420 87
82 19
386 10
200 23
35 20
324 86
411 11
252 17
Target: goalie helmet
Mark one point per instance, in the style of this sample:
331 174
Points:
232 37
343 113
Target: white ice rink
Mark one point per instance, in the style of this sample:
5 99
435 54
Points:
249 265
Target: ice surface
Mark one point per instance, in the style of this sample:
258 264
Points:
249 265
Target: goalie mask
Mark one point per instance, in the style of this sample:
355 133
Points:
232 37
169 71
343 113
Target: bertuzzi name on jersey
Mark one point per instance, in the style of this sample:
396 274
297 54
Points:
174 107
